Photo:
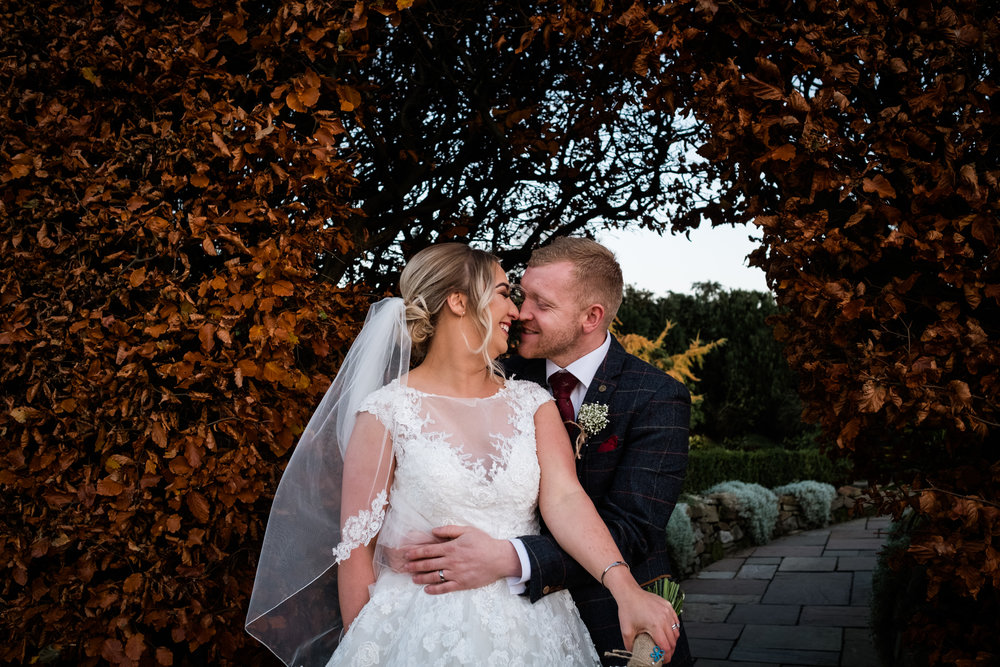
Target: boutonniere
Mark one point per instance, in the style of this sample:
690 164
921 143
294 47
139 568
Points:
591 420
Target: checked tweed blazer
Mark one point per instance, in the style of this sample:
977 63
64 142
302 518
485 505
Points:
633 471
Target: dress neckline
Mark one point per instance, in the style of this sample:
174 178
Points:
499 392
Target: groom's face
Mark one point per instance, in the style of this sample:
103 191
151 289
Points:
551 315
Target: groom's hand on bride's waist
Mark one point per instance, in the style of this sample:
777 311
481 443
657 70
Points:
466 558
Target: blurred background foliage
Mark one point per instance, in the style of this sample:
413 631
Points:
748 394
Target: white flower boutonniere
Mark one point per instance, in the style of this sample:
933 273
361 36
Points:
591 420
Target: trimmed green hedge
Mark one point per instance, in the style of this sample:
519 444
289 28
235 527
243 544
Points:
767 467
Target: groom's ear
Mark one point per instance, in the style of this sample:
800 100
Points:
593 318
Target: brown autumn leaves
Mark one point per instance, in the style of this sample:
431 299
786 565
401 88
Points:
170 176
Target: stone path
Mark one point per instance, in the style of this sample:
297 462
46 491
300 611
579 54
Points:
800 600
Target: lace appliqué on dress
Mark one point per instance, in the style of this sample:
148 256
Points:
361 528
468 462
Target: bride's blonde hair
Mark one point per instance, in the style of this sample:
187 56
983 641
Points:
437 272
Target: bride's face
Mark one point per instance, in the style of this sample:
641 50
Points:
502 313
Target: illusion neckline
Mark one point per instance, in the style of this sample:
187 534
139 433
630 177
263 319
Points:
499 392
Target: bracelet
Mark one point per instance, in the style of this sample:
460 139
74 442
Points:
615 564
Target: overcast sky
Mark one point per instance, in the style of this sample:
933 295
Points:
662 264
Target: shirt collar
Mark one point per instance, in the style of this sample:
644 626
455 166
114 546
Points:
585 368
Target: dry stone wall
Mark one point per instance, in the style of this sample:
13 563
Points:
719 531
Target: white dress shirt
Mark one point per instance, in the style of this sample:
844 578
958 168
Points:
583 369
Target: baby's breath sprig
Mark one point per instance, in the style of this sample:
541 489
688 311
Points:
591 420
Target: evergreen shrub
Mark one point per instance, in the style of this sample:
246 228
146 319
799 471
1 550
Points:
815 499
757 505
767 467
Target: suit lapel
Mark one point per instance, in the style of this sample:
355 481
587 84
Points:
606 379
603 386
601 389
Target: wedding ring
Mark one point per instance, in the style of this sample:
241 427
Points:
675 626
441 576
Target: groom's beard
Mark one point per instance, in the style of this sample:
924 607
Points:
553 342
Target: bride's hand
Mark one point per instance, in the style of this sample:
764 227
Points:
641 611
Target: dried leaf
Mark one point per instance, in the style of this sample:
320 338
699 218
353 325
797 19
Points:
109 487
137 277
132 583
879 185
350 98
198 505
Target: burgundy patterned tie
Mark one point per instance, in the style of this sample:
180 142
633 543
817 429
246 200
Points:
563 383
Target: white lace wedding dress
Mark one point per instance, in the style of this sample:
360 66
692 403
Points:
465 462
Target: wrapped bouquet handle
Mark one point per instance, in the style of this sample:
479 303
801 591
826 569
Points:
645 652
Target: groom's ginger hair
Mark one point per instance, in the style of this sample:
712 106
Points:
596 271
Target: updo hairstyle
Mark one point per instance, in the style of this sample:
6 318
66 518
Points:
435 273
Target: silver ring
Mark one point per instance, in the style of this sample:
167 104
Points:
675 626
441 576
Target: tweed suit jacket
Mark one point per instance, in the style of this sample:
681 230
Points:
633 471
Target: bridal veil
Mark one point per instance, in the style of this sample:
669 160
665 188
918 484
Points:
293 607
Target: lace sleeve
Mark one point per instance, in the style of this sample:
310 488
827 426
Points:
379 403
531 395
364 523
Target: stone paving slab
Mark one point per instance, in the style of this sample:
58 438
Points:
809 588
857 532
710 612
724 587
786 657
812 564
719 574
866 543
757 572
763 560
730 663
856 562
797 637
719 599
783 551
701 630
871 539
710 648
861 590
800 600
726 564
772 614
835 616
810 539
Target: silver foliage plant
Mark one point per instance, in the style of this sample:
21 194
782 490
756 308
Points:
680 538
755 504
815 499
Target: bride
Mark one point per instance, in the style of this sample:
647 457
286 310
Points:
392 452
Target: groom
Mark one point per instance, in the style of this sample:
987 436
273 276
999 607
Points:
632 469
